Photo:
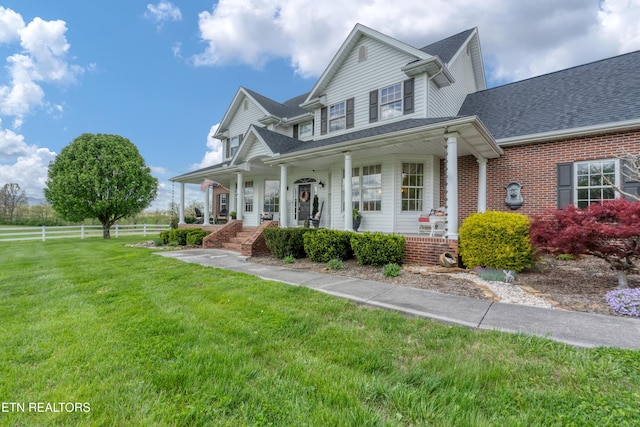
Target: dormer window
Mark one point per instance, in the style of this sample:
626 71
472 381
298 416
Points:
306 129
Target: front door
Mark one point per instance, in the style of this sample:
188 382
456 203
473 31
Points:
304 202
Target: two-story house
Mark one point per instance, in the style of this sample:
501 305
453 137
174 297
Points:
395 131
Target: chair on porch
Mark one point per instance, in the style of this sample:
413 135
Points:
433 223
315 221
221 217
199 216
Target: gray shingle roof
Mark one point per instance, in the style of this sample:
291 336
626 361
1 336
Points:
601 92
287 109
446 48
285 145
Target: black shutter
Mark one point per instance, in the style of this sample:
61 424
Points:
227 145
323 121
350 106
565 184
295 131
630 184
373 106
408 96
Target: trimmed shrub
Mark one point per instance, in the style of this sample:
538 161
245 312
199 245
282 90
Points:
377 249
286 241
195 236
325 245
497 240
181 236
164 236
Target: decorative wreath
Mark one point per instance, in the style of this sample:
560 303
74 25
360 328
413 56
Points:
304 196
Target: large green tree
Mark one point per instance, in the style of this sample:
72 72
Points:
100 176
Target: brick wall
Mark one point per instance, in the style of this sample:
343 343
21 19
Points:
533 166
222 234
427 250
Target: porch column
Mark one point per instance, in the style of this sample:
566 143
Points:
181 205
283 196
232 198
452 186
482 184
348 203
207 208
239 196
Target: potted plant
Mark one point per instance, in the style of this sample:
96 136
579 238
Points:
357 218
233 214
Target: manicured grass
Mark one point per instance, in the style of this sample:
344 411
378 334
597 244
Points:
149 341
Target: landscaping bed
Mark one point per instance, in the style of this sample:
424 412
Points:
577 285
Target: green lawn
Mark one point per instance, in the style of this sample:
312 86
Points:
140 340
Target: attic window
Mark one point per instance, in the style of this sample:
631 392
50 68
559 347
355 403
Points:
362 53
246 104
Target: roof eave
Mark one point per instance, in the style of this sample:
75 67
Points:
433 67
570 133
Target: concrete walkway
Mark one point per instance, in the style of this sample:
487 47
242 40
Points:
575 328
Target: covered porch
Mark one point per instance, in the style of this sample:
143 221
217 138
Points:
391 177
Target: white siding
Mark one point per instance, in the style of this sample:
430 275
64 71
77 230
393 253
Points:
243 118
446 101
256 150
390 219
355 79
407 222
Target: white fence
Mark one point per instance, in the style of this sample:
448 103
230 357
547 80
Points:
8 234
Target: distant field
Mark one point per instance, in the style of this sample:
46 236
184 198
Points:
97 333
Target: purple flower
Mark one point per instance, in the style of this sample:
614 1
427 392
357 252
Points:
625 301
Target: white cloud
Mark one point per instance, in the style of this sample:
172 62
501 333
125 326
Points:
42 58
213 155
38 55
158 169
519 39
10 23
29 167
163 12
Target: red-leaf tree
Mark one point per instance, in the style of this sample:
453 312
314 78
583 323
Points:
610 231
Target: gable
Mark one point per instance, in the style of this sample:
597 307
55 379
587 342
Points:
356 77
346 50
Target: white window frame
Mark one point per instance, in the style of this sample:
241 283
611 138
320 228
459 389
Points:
360 185
582 200
417 188
337 115
273 207
248 196
391 101
234 145
305 129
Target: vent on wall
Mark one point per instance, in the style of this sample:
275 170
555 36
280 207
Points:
362 53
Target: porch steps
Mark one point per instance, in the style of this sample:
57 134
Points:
235 243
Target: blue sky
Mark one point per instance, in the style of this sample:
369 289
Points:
162 74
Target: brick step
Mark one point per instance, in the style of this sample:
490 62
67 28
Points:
237 240
244 234
235 247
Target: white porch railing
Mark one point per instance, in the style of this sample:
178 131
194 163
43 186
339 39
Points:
8 234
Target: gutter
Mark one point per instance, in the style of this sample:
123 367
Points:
569 133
